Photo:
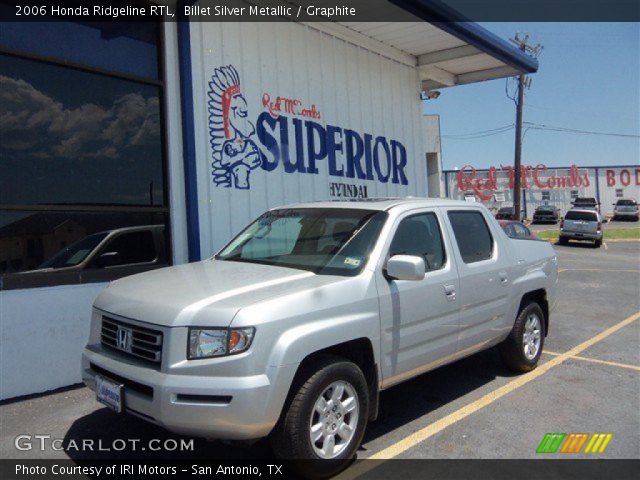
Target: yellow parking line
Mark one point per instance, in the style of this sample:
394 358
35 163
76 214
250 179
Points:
597 360
423 434
604 244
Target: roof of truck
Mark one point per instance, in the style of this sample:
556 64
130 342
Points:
382 204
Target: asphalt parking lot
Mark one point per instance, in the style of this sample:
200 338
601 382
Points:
588 381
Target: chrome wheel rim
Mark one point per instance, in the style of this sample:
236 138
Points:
334 419
532 336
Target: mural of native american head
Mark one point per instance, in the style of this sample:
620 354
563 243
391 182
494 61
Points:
235 154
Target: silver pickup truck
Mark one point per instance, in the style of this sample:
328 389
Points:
292 330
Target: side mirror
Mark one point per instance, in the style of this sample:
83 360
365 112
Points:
405 267
108 259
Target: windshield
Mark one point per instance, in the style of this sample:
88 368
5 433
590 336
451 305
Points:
331 241
585 201
584 216
506 210
545 208
75 253
627 202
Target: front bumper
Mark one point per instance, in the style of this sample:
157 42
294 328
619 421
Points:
580 235
233 408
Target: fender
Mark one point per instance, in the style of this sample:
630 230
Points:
296 344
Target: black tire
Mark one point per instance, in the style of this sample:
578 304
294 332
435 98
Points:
563 241
290 438
597 243
512 349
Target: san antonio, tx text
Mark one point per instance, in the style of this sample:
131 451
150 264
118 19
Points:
128 469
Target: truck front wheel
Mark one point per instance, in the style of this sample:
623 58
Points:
325 417
521 350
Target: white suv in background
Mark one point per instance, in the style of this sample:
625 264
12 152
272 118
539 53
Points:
626 208
581 225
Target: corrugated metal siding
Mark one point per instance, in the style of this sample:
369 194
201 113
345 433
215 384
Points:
352 87
415 38
618 183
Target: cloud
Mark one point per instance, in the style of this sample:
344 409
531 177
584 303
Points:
31 120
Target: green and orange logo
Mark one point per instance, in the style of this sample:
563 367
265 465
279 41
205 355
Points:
574 443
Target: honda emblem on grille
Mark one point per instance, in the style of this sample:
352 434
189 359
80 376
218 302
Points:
125 336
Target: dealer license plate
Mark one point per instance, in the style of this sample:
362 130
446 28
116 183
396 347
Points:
109 393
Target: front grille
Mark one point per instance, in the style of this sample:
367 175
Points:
131 339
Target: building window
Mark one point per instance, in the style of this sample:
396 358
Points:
546 195
82 156
619 192
574 194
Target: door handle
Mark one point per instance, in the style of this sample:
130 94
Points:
503 277
450 292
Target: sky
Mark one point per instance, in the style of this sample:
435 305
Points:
588 79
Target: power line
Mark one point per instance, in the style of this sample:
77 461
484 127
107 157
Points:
539 126
481 133
534 126
478 136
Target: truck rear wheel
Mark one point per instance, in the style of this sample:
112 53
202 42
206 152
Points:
521 350
324 420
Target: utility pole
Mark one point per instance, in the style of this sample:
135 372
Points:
523 81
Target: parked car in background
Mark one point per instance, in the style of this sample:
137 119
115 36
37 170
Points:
507 213
517 230
586 203
546 213
626 208
99 257
581 225
293 328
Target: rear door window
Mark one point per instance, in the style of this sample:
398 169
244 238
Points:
472 235
521 231
508 229
584 216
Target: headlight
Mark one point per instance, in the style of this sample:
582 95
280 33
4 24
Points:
216 342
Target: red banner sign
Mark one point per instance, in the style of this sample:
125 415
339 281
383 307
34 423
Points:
467 179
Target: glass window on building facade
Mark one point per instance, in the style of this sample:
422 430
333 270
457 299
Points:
82 158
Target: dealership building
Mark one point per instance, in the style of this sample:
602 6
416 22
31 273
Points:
160 141
542 185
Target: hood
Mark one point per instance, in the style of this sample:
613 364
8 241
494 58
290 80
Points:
207 293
